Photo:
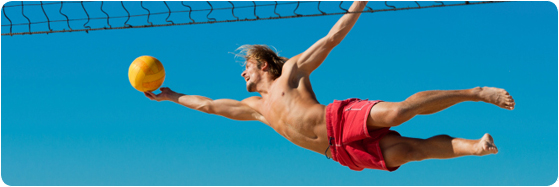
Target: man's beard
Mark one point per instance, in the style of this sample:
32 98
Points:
251 87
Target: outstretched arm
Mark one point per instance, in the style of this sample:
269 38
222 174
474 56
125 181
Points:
309 60
233 109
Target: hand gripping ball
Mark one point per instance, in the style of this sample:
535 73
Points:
146 74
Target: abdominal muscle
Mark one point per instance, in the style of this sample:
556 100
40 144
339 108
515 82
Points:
298 117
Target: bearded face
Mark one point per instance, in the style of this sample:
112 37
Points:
252 75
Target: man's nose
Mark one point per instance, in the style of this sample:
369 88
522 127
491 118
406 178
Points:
243 74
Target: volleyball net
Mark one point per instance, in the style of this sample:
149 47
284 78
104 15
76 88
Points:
38 17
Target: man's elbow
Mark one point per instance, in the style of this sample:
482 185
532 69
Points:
332 40
206 107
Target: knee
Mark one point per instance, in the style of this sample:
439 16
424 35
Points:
415 155
407 153
415 151
398 115
423 149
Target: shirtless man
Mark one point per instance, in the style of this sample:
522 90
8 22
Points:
353 132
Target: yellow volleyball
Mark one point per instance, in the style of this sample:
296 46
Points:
146 73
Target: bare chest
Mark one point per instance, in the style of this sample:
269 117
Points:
292 110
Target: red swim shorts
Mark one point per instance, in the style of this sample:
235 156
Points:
351 144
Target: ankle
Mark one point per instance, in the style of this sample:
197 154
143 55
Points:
475 93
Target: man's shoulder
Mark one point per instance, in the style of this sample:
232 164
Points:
291 68
292 60
295 58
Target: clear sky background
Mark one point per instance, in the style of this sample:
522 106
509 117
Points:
71 117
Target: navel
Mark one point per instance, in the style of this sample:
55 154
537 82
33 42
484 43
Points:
282 93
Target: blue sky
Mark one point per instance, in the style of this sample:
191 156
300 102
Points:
70 116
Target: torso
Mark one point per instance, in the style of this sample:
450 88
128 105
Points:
291 108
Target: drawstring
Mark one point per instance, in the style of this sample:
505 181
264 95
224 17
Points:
329 144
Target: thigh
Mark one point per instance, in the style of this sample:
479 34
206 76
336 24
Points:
396 149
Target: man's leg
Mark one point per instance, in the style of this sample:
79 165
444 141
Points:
389 114
398 150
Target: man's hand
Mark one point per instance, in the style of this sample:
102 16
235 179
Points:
165 95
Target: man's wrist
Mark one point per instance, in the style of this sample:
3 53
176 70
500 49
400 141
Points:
174 97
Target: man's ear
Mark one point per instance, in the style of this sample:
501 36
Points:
264 66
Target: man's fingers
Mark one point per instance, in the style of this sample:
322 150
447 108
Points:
149 95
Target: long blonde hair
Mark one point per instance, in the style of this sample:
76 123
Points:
263 53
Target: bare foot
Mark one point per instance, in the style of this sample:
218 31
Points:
486 146
497 96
